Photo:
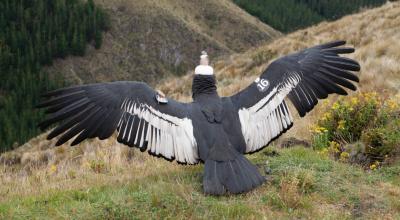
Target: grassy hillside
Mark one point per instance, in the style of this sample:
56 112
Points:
151 39
303 184
107 180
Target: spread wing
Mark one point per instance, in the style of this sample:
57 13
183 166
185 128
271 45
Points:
303 77
98 110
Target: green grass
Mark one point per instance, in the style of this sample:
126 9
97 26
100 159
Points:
302 184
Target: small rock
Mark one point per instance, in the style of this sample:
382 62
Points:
272 153
292 141
267 170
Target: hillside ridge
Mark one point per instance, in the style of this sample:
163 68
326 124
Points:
152 39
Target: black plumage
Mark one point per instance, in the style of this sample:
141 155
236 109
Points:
213 130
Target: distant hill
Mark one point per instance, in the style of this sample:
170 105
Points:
151 39
290 15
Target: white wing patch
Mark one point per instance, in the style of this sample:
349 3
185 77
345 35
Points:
269 117
164 134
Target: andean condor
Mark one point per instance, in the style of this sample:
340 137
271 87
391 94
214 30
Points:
212 130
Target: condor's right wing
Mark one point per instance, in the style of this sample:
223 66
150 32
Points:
303 77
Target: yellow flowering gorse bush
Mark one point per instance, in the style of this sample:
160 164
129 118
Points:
366 118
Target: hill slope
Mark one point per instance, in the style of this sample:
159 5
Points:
150 39
107 180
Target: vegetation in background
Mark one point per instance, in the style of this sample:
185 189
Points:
32 34
363 129
290 15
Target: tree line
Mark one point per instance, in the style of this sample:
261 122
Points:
32 35
290 15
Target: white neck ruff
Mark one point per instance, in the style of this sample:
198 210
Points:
204 70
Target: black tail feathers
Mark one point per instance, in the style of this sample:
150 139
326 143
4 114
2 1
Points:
234 176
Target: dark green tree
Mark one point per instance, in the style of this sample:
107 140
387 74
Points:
98 40
32 34
290 15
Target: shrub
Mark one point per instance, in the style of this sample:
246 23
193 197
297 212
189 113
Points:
98 166
370 121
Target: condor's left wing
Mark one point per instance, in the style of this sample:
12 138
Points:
98 110
303 77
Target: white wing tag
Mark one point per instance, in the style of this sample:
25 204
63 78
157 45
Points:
160 97
262 84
